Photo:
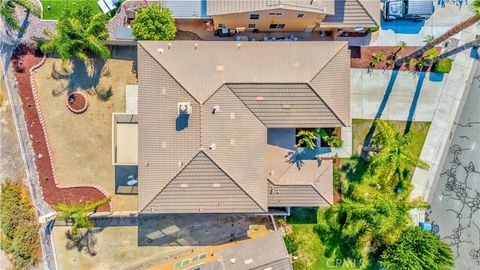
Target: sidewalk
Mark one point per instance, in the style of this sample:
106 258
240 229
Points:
445 114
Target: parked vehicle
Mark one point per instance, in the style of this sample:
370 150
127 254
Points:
426 226
416 10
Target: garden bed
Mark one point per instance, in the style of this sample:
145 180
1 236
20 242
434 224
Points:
44 164
361 57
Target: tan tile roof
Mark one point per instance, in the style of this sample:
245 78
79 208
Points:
221 7
286 105
204 187
312 180
350 13
233 140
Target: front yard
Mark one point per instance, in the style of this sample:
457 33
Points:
304 221
57 7
82 143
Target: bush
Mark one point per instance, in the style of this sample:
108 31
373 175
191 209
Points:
443 65
373 29
154 23
291 244
19 234
376 58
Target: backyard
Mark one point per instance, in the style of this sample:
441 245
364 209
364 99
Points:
81 143
156 239
303 222
52 9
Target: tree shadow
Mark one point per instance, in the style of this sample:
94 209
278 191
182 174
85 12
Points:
355 169
413 107
85 76
85 241
128 53
381 108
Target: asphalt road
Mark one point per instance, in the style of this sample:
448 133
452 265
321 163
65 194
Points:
456 200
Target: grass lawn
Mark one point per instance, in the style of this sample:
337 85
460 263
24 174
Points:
311 250
58 6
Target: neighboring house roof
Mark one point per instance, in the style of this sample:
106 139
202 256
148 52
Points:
362 13
222 7
219 162
257 253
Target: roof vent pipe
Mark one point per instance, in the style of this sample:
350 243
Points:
216 109
195 45
213 146
160 50
169 45
239 45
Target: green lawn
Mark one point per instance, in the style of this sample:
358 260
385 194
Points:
311 250
58 6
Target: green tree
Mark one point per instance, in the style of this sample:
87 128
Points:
395 156
7 10
79 214
418 249
475 6
80 30
19 228
154 23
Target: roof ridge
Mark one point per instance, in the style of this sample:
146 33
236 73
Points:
170 181
248 108
368 12
315 188
233 179
309 85
168 72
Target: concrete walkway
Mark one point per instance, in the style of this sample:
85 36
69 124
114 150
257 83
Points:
440 130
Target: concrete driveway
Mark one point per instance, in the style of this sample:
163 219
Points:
413 33
395 95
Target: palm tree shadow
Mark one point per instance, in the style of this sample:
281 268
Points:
85 77
381 108
416 96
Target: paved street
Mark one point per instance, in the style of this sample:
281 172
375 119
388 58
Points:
456 199
414 32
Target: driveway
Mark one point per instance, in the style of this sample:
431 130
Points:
456 200
413 33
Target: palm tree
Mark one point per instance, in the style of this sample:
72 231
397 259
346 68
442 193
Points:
459 49
80 30
475 5
79 214
400 47
7 10
308 137
395 155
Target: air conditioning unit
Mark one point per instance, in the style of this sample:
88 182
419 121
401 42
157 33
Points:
184 108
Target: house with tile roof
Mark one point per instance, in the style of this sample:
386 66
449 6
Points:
217 124
335 16
295 15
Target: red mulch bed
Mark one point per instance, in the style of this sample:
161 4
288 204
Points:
51 193
361 56
77 101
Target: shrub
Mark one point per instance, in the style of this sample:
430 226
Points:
443 65
431 54
373 29
154 23
19 234
376 58
291 244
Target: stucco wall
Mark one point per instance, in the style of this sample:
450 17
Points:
289 18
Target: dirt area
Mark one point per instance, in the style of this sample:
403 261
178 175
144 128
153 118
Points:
186 35
82 143
11 162
51 192
128 247
361 57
